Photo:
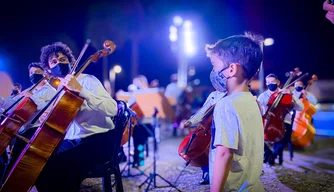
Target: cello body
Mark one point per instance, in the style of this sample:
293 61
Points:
274 128
195 147
303 130
41 146
10 126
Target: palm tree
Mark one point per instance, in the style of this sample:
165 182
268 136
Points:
119 22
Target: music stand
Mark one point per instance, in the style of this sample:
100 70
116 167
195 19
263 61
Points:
150 103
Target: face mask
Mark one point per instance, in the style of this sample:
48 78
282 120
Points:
14 92
299 88
272 87
218 80
61 70
35 78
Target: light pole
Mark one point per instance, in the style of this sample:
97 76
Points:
112 77
182 37
266 42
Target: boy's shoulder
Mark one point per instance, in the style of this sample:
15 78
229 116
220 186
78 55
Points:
235 100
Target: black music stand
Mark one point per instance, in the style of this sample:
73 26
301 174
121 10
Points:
152 177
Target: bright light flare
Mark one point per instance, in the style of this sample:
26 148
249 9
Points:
117 69
177 20
187 24
268 41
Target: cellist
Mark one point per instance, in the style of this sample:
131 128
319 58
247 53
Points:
40 96
89 136
299 89
273 83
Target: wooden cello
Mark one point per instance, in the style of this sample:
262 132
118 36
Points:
24 109
279 104
15 116
50 134
303 130
195 147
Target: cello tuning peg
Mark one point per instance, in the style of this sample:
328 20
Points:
287 74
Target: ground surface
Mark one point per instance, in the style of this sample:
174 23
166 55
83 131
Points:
311 170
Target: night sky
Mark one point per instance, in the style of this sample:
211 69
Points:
303 36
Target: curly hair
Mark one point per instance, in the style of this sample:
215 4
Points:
53 50
36 65
243 49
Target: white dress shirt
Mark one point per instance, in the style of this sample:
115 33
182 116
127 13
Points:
263 100
212 99
309 96
96 112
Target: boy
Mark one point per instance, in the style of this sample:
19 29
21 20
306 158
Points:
236 153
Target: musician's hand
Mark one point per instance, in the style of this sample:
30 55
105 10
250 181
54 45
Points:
304 92
43 116
187 124
71 83
330 11
26 93
286 91
271 113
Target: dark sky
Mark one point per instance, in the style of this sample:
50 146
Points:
303 37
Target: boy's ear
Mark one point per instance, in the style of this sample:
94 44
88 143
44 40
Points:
233 69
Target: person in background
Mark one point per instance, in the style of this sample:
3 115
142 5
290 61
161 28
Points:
329 7
14 96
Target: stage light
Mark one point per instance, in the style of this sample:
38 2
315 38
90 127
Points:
268 41
177 20
117 69
173 37
187 24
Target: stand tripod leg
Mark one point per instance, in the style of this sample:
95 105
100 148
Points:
168 182
128 161
145 181
149 184
153 175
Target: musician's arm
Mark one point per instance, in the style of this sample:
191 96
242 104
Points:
261 102
43 97
299 106
97 97
9 101
197 117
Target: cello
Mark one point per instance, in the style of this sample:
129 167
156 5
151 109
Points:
195 147
50 134
279 104
303 130
23 110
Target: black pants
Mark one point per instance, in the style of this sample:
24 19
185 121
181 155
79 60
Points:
140 135
74 159
279 146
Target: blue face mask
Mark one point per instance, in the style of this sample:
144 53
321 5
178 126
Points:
61 70
272 87
299 88
218 80
35 78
